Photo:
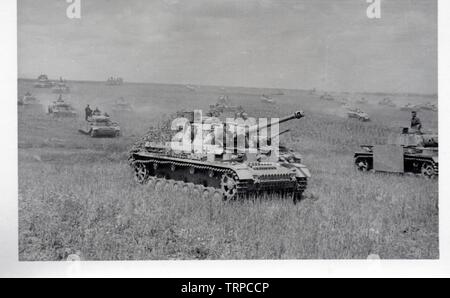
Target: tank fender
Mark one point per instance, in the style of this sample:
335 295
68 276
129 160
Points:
243 174
302 170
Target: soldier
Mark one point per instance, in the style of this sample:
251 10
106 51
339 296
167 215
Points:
416 124
88 112
97 112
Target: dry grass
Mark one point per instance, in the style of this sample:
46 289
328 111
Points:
76 194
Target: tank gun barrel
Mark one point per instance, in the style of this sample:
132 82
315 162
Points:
269 140
296 115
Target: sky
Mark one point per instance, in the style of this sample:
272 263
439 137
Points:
295 44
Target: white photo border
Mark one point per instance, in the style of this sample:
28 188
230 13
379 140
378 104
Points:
11 267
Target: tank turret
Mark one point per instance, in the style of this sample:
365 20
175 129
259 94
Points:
232 172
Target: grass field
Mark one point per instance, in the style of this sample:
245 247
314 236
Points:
77 194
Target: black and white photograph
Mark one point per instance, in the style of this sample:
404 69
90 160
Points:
227 130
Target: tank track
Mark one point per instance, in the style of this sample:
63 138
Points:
215 184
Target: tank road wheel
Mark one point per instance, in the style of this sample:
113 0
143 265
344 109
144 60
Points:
427 170
228 186
141 172
362 165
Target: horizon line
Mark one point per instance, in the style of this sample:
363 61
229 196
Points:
247 87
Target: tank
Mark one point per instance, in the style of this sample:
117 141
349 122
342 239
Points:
230 174
61 87
28 99
122 106
428 107
223 108
114 81
60 108
327 96
407 152
100 126
362 100
387 102
356 113
267 99
43 82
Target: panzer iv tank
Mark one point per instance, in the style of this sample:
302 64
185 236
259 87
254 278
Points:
230 174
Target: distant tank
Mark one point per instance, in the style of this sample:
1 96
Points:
43 82
327 96
356 113
362 100
61 87
28 99
224 108
407 152
387 102
114 81
100 126
428 107
122 106
267 99
231 173
60 108
190 87
409 107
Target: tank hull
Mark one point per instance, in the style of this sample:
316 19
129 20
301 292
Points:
249 179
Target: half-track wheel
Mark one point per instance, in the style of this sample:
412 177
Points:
362 165
141 173
228 185
427 170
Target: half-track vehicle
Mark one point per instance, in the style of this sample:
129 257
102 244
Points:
100 126
230 173
407 152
